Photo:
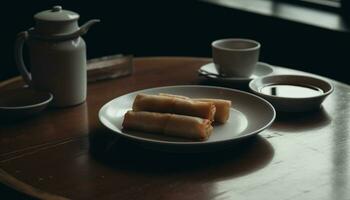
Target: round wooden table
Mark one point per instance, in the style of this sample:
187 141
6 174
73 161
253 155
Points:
67 153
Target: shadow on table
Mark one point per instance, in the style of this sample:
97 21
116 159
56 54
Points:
234 85
299 122
242 158
13 194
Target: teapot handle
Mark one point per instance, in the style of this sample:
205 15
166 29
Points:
20 40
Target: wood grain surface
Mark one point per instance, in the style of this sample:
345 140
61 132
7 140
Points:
67 153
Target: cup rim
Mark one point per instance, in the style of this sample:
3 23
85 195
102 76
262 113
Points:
214 44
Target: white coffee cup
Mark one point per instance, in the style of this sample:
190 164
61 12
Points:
235 57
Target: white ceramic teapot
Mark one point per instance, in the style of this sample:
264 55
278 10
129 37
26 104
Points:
57 55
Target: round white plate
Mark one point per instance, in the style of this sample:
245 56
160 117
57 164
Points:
19 103
250 115
209 71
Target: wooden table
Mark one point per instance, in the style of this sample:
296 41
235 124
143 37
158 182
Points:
68 153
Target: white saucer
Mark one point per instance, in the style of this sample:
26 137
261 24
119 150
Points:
209 71
22 102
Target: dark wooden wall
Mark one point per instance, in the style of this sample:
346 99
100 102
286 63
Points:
184 28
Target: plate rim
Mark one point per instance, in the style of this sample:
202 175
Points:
141 139
48 99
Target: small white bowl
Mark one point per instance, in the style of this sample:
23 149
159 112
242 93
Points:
290 103
22 102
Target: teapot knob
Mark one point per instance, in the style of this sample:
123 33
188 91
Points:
56 9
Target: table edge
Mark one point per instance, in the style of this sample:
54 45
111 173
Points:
146 58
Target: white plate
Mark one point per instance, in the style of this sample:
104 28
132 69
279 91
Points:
209 71
250 115
23 102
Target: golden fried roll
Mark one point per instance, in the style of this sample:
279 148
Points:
167 104
174 95
168 124
222 112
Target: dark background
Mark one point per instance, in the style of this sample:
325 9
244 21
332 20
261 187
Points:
184 28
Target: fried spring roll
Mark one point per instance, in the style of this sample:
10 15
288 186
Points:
222 109
167 104
222 112
174 95
168 124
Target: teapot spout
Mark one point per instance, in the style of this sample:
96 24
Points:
84 28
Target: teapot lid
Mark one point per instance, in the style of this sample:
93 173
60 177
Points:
56 14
